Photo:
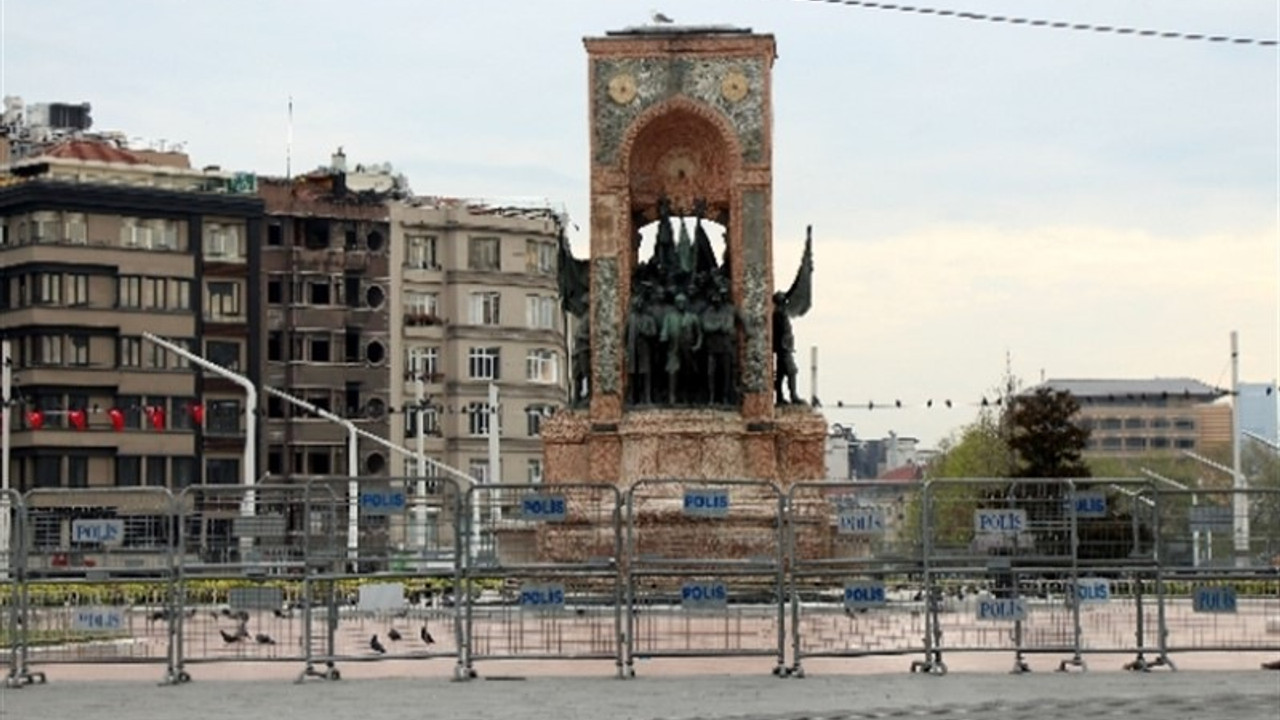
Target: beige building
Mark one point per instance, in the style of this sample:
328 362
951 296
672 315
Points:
1158 415
100 244
474 301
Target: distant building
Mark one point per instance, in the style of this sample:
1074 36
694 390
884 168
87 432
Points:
1139 416
1258 410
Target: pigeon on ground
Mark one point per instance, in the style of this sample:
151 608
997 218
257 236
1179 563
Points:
377 646
227 637
393 634
264 639
426 636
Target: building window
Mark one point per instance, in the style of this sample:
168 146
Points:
1185 444
421 308
134 234
223 353
222 242
78 350
48 472
422 361
275 291
421 252
478 418
156 475
128 471
533 418
484 363
533 474
540 312
179 294
1135 443
130 354
48 289
542 366
223 301
1110 423
319 292
222 471
129 291
275 346
153 293
430 421
48 350
1184 424
78 289
321 349
483 253
486 308
1134 423
74 229
539 257
77 471
478 469
184 472
275 234
222 417
165 235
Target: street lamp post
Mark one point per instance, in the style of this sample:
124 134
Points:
248 506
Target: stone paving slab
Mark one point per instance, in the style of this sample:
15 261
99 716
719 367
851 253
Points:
1192 695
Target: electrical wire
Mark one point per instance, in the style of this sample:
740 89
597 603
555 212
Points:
1051 24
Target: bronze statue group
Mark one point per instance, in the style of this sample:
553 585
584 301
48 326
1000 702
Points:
681 335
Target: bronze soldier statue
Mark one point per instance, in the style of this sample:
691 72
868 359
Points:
795 302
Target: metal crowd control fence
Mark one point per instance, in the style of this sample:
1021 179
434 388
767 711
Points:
856 570
1219 591
393 593
242 577
97 578
999 567
1117 571
705 570
13 599
544 578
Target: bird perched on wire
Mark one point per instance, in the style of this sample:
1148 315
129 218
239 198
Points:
659 18
377 646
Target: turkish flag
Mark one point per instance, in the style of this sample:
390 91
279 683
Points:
35 419
156 416
117 419
77 418
197 413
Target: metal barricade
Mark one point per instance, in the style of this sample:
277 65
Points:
544 579
243 585
705 570
1000 569
13 593
1117 570
1220 582
387 584
855 566
97 578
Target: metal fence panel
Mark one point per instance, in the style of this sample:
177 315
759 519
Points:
855 566
386 586
1220 553
98 577
1000 567
13 592
243 582
705 570
544 578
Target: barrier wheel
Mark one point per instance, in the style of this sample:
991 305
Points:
333 674
798 673
184 677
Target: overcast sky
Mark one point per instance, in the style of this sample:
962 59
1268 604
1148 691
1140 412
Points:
1092 205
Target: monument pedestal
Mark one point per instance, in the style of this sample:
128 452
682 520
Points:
685 444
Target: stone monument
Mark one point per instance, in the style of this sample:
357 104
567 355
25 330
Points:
689 354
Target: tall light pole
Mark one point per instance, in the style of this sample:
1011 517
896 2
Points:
249 504
6 427
1239 499
353 467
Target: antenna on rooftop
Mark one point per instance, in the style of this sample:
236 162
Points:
288 145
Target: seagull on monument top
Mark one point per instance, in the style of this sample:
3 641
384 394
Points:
660 18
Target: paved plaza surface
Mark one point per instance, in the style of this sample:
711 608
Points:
368 692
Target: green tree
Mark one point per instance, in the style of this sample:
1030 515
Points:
1044 436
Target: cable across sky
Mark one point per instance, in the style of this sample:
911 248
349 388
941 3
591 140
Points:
1052 24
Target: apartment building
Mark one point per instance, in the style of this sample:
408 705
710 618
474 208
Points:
1155 415
325 330
474 301
98 244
